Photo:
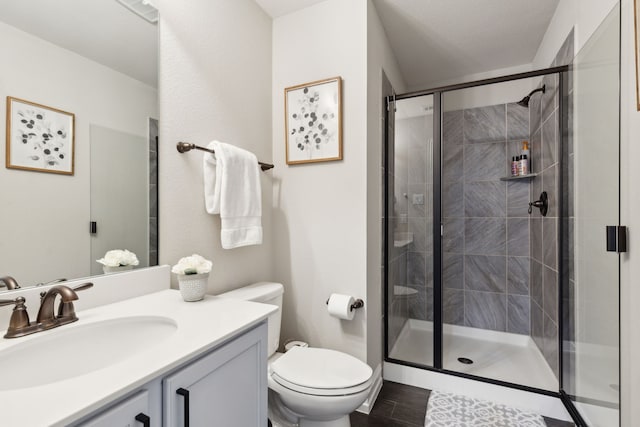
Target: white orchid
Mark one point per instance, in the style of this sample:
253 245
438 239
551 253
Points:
194 264
119 258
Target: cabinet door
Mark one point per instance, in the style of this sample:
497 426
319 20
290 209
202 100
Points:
226 388
132 412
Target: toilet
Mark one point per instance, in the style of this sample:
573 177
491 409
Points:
308 387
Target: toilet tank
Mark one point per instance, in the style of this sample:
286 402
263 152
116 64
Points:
266 293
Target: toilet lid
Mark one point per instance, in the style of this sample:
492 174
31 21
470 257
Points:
321 368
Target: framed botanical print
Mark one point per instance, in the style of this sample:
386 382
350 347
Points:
313 121
39 138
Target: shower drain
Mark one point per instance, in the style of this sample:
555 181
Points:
465 360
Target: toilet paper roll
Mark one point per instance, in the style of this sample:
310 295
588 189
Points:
340 306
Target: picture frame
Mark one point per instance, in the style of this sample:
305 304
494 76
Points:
39 138
313 121
636 36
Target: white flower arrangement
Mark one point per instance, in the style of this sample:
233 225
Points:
194 264
119 258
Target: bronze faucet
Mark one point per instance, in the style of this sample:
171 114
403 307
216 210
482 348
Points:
9 282
19 324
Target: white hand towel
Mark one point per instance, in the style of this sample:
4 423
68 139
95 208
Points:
232 189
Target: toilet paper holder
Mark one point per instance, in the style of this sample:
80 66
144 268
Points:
356 304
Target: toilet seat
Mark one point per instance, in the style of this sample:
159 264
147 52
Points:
321 372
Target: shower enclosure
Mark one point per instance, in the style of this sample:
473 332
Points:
480 282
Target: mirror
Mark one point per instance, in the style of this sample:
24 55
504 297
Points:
98 61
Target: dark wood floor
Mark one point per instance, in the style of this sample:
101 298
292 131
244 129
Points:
400 405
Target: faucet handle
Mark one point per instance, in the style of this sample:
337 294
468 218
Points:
66 309
19 317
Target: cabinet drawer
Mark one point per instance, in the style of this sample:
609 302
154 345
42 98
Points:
124 414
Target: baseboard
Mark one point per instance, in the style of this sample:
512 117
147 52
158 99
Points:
548 406
367 406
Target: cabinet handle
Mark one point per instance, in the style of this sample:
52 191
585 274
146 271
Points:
185 393
144 419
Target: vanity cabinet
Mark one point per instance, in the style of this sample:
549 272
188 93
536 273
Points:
225 387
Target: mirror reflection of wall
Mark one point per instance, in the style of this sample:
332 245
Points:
44 228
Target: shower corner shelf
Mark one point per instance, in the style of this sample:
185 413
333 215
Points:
511 178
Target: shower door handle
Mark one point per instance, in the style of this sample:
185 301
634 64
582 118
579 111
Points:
616 238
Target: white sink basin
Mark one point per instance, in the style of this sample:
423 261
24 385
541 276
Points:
70 351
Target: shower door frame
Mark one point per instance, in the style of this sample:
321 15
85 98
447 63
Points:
437 92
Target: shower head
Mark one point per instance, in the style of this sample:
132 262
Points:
524 102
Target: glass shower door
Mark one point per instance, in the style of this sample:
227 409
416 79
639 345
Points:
410 292
591 275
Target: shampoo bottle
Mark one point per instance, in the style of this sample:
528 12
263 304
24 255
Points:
525 154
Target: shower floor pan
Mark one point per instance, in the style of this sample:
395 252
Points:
497 355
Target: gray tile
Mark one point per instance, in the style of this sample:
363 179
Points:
571 247
484 124
535 151
485 273
417 304
418 166
535 112
518 199
453 306
517 122
453 236
452 127
550 293
452 271
536 282
518 308
452 162
549 99
570 185
535 237
537 325
485 199
418 226
417 210
550 346
485 310
416 269
536 191
484 236
452 201
518 237
518 275
550 242
484 162
550 184
549 142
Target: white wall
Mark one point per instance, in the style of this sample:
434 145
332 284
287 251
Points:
320 210
215 80
31 226
630 216
380 59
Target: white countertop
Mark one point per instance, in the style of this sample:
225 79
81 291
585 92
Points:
201 326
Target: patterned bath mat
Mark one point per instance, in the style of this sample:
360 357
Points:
453 410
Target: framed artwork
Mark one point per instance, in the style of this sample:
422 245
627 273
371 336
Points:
39 138
313 121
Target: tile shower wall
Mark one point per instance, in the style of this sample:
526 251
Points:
414 144
397 175
545 137
486 225
153 191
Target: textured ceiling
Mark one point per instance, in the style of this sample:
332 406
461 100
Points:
101 30
442 40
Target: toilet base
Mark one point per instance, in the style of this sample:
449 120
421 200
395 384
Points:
340 422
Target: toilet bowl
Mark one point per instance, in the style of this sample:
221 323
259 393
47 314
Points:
308 386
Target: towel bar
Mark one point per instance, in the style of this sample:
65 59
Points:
183 147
